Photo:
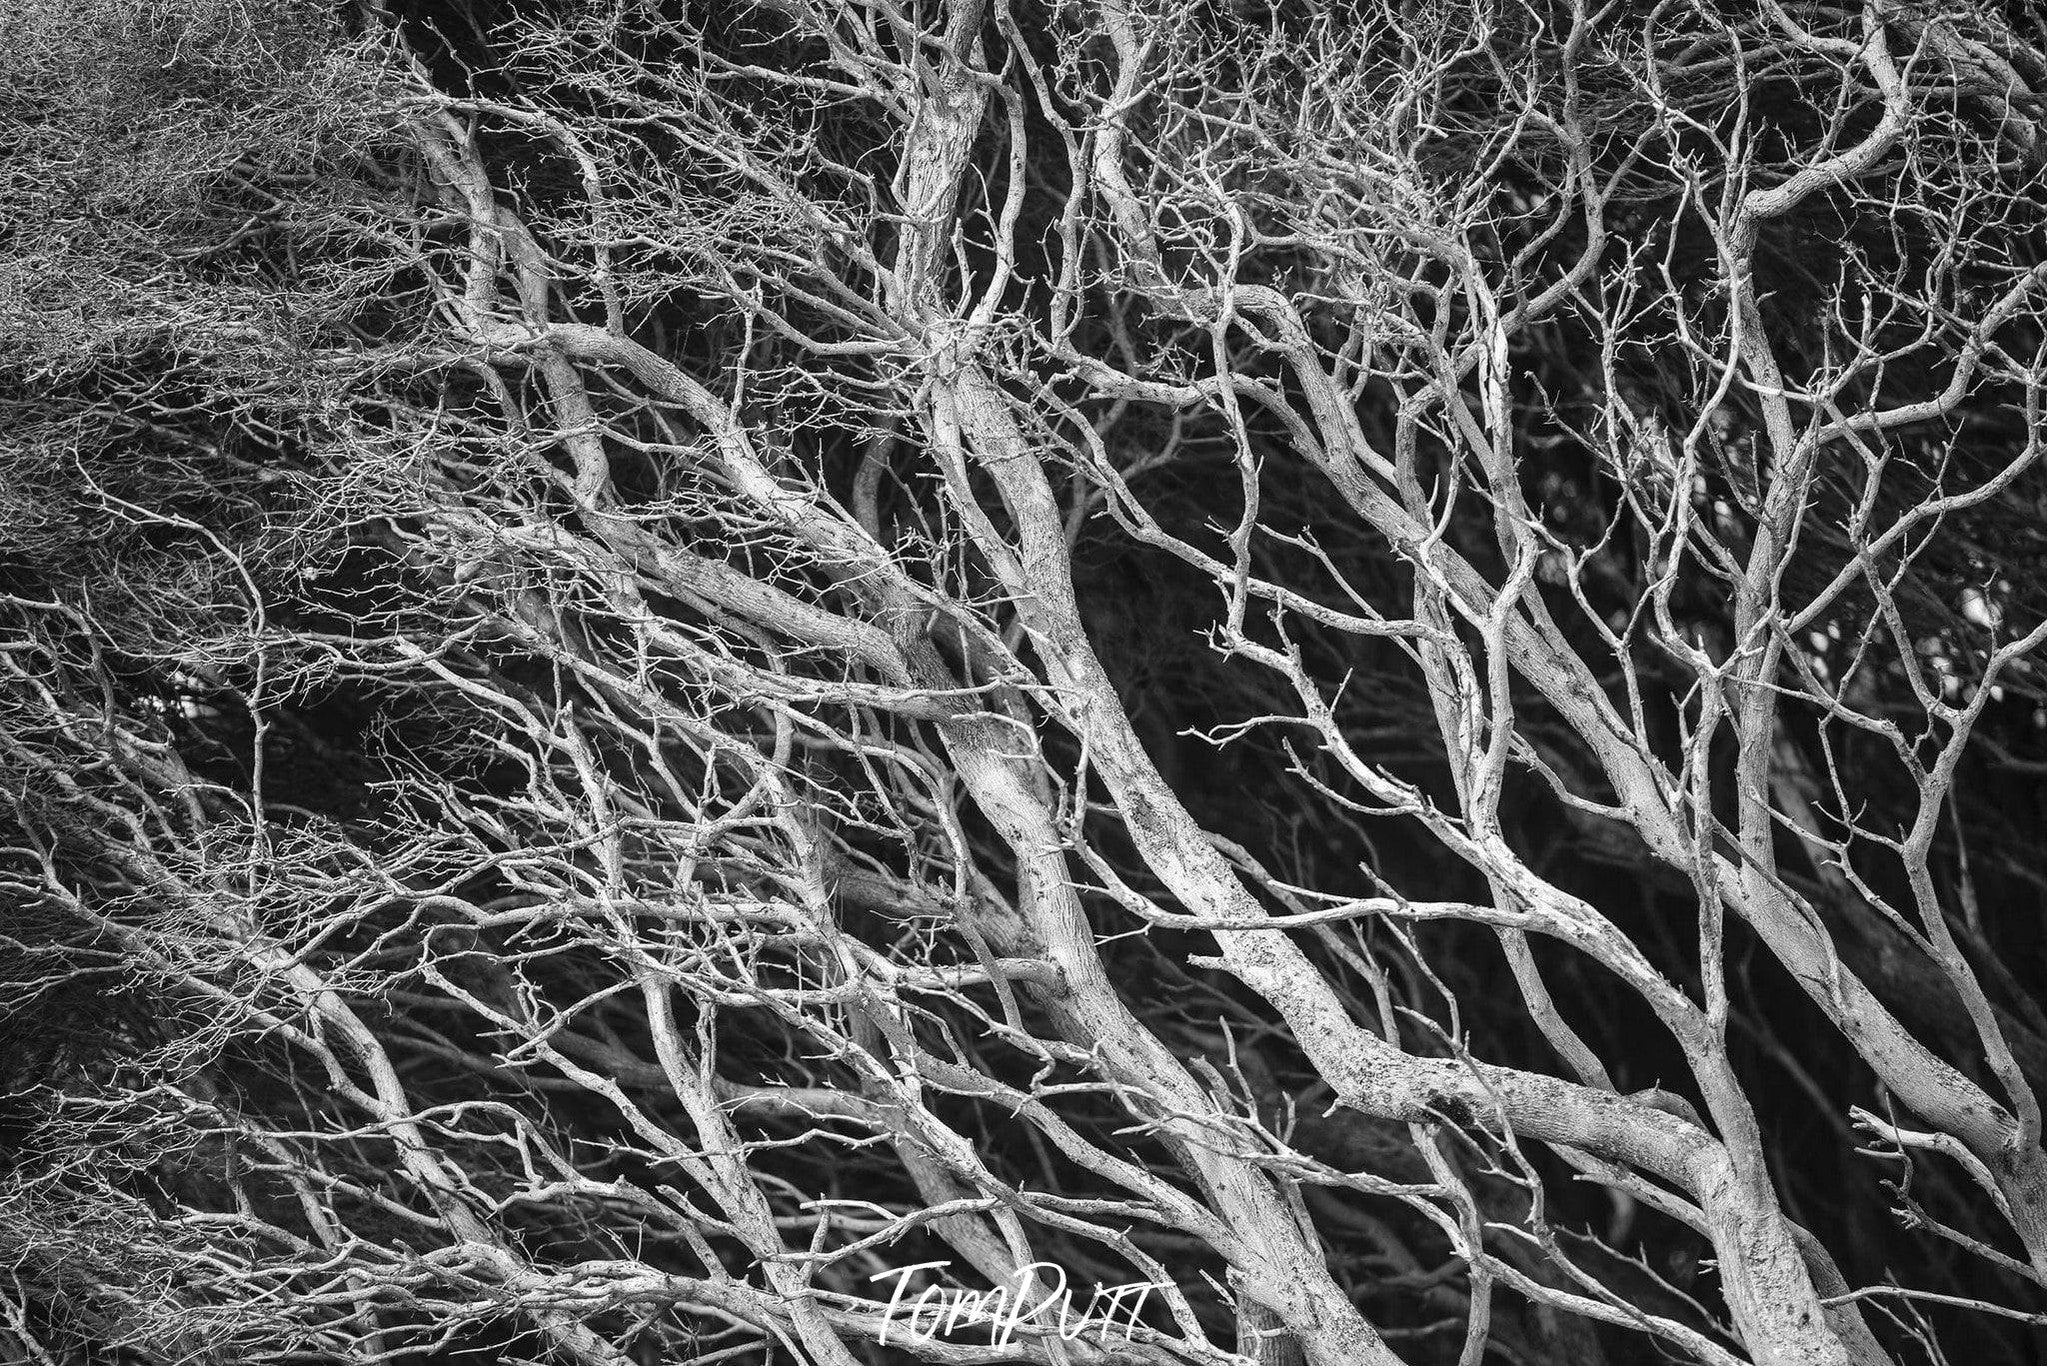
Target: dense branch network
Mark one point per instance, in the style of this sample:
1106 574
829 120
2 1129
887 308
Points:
686 679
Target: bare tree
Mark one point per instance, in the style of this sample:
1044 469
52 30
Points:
1048 680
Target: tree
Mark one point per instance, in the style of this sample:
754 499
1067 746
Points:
766 680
